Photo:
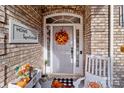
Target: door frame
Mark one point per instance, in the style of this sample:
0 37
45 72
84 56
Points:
51 44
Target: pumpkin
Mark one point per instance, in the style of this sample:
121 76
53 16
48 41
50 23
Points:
21 84
94 85
26 79
57 84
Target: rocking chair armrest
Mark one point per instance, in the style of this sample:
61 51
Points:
80 79
77 82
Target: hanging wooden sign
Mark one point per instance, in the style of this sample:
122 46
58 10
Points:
20 33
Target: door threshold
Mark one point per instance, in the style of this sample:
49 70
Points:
64 75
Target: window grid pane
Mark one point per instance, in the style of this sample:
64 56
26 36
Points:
63 19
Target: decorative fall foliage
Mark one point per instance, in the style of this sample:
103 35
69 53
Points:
61 37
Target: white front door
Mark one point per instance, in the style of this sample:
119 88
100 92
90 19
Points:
63 43
67 57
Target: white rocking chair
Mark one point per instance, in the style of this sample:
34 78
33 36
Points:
97 72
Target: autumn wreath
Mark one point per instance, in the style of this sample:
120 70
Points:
61 37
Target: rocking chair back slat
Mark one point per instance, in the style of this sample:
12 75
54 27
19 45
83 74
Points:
89 65
86 68
104 68
108 69
93 66
100 68
96 67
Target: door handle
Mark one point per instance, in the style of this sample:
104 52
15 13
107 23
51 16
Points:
72 52
80 52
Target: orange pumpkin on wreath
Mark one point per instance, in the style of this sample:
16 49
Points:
61 37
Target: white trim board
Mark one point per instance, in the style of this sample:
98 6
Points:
111 42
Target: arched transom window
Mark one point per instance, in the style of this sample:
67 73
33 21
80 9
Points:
63 19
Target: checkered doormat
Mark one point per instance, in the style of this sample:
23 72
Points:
66 82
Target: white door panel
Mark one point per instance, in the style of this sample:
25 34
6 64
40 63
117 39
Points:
62 62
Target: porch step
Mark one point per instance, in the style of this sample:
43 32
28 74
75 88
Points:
64 75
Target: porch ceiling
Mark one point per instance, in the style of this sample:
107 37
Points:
41 9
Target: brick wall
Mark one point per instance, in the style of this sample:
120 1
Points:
87 32
96 20
118 55
50 9
2 75
18 54
99 30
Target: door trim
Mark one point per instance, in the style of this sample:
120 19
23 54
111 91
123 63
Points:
74 33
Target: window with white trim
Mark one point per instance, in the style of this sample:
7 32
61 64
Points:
63 19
